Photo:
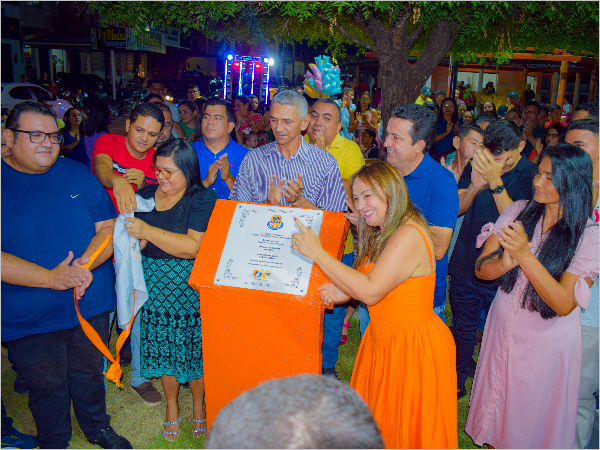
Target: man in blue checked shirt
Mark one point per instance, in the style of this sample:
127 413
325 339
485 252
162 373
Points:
293 172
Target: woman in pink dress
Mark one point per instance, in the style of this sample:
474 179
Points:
545 255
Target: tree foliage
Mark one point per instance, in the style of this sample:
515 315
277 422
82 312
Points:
485 29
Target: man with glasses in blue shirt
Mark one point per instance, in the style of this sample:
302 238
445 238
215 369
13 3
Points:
55 210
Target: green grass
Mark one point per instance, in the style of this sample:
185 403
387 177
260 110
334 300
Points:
142 424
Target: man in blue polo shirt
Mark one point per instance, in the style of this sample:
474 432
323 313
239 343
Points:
220 157
411 132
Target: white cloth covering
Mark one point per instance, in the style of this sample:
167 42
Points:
128 266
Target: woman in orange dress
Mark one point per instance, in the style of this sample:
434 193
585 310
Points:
405 367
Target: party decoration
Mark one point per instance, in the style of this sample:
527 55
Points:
323 78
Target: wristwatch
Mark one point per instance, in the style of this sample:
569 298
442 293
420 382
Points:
498 189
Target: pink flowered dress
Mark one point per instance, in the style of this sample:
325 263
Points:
525 390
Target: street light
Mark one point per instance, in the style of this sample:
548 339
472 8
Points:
271 61
230 57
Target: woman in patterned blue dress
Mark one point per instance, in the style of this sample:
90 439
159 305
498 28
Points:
170 236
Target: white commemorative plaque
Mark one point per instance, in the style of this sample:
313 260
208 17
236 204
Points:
257 253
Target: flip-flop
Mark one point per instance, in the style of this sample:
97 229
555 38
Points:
344 337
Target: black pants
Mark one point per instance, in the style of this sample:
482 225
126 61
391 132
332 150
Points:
468 298
59 367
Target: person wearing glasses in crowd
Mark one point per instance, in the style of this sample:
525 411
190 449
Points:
170 236
193 92
41 272
122 164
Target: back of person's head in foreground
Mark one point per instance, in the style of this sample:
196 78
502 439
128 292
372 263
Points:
304 411
387 184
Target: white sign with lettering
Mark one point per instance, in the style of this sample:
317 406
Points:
257 253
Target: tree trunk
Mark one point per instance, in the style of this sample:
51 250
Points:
401 81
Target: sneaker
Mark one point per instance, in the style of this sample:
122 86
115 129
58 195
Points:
331 373
109 439
150 396
20 387
19 440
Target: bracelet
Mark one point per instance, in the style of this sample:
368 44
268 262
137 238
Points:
498 189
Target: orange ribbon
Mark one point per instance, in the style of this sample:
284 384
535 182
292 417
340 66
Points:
114 373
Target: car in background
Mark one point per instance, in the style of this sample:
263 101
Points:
89 83
13 93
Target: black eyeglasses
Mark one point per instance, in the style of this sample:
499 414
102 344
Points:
37 137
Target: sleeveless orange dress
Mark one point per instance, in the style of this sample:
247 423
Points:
406 367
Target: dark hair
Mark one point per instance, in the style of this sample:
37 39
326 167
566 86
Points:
193 86
358 106
147 110
560 129
454 118
423 120
191 105
553 107
246 136
149 97
572 178
185 158
584 124
532 103
493 113
501 136
590 107
68 124
156 81
328 101
12 121
544 108
485 118
515 110
433 106
98 118
242 98
165 108
201 103
370 133
465 129
226 104
303 411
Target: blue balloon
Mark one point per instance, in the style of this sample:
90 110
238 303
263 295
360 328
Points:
312 83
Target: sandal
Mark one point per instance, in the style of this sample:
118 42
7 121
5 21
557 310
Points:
202 430
175 434
344 336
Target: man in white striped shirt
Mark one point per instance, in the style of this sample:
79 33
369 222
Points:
293 172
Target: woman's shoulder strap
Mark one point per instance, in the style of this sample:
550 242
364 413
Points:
426 243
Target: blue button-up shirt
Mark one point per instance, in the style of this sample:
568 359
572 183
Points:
432 189
323 185
235 155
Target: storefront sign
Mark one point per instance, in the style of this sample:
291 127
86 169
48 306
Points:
108 38
148 41
172 35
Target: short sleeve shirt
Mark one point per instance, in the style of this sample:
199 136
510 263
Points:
345 118
350 159
114 146
323 185
191 212
46 216
538 132
519 186
433 191
235 155
444 145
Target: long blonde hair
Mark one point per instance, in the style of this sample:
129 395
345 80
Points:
372 240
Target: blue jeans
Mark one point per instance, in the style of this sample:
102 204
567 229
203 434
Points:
363 317
136 377
468 298
332 327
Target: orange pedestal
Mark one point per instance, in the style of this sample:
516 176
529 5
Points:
249 336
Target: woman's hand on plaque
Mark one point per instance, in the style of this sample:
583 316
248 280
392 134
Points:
307 242
331 295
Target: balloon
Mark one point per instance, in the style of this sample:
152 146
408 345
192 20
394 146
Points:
319 85
309 90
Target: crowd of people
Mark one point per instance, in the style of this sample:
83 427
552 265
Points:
497 213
